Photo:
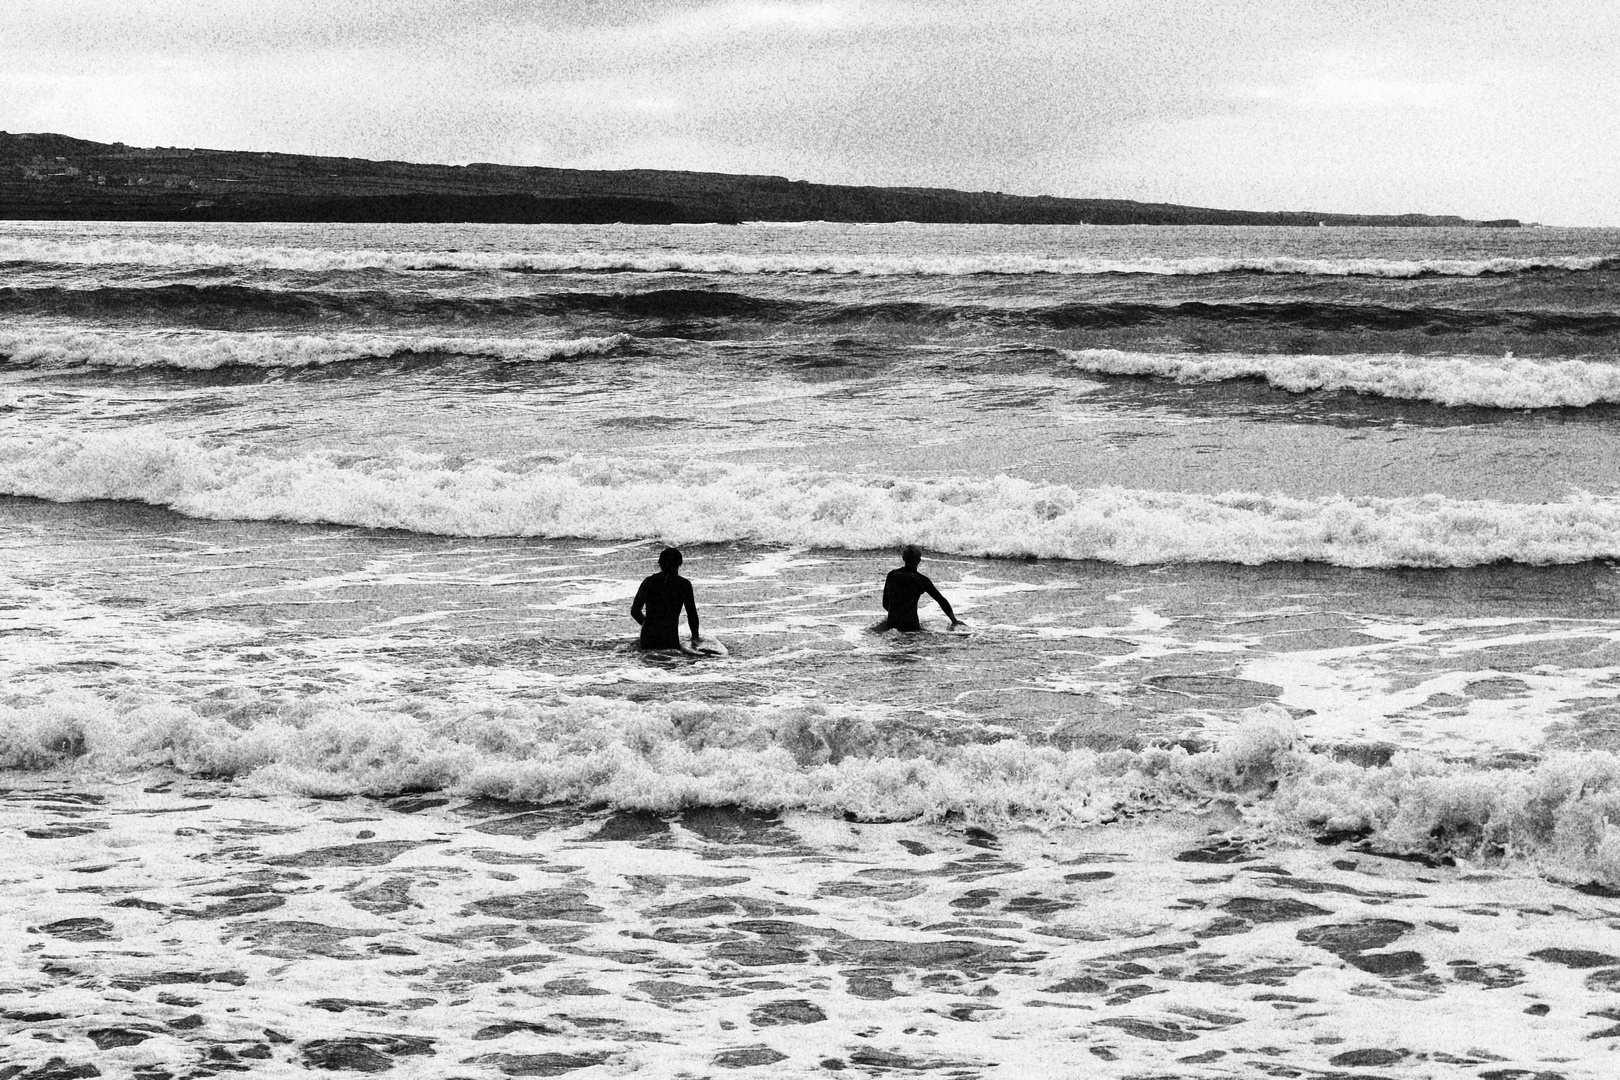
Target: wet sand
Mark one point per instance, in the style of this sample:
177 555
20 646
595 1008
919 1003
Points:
169 927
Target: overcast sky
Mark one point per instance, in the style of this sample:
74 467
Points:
1485 108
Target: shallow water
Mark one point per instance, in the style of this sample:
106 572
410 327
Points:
184 928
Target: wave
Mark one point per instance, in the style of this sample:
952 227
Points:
697 311
1498 383
216 302
205 300
1258 316
206 350
1562 813
689 501
39 252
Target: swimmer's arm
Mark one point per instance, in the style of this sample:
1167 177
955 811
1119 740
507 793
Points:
944 604
691 613
637 606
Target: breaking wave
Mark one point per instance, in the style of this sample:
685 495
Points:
686 501
159 254
204 350
1499 383
1250 317
224 302
703 311
1561 813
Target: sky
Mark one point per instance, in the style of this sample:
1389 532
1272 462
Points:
1485 109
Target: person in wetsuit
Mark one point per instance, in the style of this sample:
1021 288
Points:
904 587
659 601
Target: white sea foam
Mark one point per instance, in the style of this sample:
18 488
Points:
694 501
1563 813
160 254
208 349
1503 383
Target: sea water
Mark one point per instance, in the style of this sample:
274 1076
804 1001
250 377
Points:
1316 525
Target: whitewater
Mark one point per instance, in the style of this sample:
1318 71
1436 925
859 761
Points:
711 502
1280 735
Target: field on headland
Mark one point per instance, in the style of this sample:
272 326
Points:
56 177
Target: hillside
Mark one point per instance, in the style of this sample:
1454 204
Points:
45 176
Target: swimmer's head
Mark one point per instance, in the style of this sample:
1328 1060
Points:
669 560
911 554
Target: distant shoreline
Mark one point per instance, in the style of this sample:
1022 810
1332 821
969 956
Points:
57 177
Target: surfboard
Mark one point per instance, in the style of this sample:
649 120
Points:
706 646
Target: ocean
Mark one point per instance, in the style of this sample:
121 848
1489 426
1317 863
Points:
1286 559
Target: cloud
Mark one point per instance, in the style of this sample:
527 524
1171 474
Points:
1327 93
1338 104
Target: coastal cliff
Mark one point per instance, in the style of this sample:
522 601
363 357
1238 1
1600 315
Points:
56 177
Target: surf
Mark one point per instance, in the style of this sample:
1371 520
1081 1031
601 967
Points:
1482 381
207 350
28 252
1560 812
695 500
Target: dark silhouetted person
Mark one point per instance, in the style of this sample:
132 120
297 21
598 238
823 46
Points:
659 601
904 587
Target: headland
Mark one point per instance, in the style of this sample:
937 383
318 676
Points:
57 177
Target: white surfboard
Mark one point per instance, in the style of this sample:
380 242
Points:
706 646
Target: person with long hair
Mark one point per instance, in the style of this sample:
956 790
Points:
659 601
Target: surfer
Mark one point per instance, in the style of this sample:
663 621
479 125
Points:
659 601
902 589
